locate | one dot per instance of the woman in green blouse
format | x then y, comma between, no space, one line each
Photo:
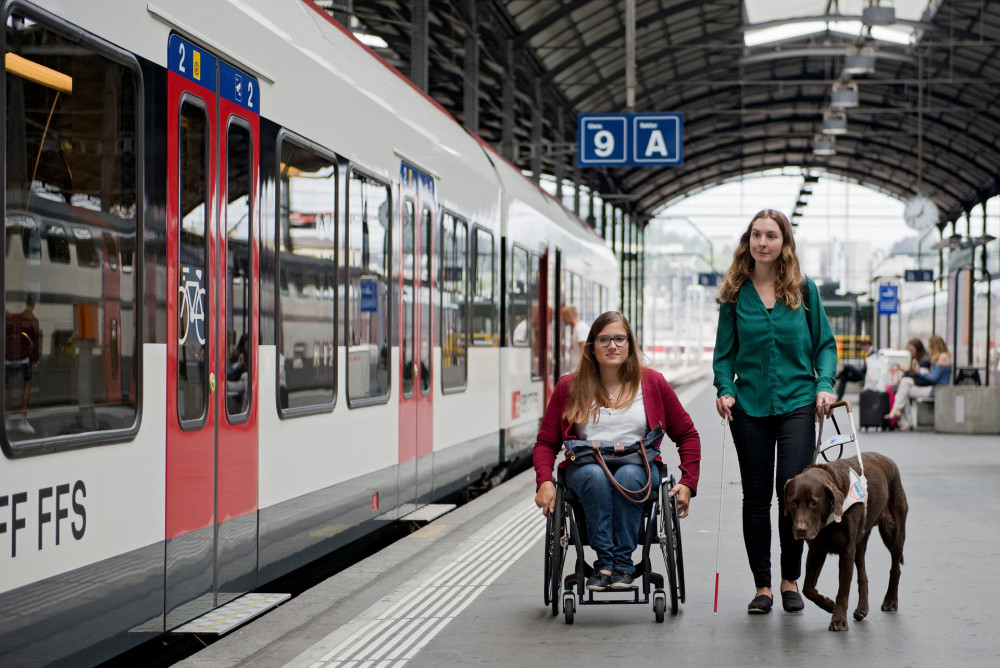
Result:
775,358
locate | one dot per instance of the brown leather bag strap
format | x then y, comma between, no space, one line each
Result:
627,493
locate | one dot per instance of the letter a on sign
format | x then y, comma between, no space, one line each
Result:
656,144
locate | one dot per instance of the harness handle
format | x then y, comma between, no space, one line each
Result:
850,417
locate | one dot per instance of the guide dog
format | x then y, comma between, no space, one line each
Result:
815,499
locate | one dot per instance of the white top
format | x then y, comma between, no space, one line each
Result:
580,332
623,425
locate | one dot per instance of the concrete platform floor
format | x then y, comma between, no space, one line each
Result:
467,589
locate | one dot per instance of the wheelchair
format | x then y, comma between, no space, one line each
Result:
567,525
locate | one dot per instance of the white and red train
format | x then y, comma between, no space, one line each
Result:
261,296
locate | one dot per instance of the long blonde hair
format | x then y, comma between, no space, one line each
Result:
586,394
788,274
938,348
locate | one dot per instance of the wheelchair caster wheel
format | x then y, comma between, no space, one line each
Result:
659,606
569,606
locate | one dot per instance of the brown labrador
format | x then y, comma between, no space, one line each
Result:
815,499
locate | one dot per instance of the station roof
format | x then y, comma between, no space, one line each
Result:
753,79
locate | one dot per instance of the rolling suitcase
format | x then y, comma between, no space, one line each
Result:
874,406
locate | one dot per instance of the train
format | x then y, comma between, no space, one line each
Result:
262,297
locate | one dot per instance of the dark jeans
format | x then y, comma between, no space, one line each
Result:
849,374
756,437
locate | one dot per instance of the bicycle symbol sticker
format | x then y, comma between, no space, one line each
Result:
192,309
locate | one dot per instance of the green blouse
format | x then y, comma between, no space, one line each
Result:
777,366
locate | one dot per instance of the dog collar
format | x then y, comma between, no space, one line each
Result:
857,492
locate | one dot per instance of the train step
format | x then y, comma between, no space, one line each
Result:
428,513
237,612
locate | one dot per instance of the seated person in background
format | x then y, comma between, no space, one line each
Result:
853,374
921,383
919,357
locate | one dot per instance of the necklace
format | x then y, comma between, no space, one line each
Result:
613,397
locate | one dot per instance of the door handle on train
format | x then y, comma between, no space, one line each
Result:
211,383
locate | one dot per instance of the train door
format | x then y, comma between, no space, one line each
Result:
211,463
546,325
417,198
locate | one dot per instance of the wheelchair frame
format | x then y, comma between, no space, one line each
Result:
567,524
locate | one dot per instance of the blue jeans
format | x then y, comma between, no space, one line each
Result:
612,522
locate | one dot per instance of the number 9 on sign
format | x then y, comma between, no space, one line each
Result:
604,143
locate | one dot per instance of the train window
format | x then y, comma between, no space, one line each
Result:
239,207
307,196
483,307
520,299
58,244
425,303
454,302
537,356
368,253
111,248
193,334
87,254
407,301
71,172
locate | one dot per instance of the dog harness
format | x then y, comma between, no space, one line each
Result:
857,492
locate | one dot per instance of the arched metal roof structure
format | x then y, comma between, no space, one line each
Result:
926,117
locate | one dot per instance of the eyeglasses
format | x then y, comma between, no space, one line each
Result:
605,341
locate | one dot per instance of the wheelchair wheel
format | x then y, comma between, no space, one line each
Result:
678,550
556,551
547,578
569,606
659,605
666,536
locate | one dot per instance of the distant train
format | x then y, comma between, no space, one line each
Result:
262,296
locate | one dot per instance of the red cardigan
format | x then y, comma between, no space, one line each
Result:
661,405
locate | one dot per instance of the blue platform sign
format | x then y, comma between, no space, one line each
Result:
919,275
709,279
369,295
612,140
888,299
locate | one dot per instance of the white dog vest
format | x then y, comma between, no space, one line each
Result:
857,492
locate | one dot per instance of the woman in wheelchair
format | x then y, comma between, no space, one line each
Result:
611,397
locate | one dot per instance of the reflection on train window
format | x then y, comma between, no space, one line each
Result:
55,238
239,184
368,255
23,232
483,307
71,178
112,250
454,302
307,198
192,275
521,313
87,254
425,302
407,301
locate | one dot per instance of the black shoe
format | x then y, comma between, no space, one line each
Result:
621,580
598,581
792,602
760,605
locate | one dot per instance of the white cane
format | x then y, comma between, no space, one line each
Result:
718,542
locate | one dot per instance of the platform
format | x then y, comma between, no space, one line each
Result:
467,588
